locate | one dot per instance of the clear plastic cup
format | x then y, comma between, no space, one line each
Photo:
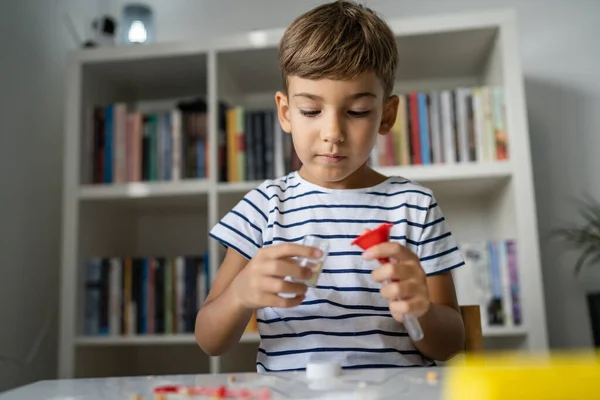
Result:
315,264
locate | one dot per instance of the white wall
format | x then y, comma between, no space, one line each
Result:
561,61
33,49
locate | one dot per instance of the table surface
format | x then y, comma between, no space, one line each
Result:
369,384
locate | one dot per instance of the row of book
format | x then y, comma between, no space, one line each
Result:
122,145
254,147
161,295
490,279
143,296
467,124
125,145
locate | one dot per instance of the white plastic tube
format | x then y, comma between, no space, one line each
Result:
412,325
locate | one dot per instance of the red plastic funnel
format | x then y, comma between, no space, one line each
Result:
375,236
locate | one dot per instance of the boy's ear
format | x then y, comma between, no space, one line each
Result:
390,111
283,111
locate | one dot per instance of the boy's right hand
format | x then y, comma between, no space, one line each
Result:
259,283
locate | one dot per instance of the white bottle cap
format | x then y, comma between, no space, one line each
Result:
322,370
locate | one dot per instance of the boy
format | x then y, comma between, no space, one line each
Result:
338,64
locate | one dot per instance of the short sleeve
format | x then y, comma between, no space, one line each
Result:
241,229
437,249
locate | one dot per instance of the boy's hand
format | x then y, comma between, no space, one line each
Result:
259,283
403,278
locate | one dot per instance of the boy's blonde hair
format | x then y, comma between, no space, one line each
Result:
339,40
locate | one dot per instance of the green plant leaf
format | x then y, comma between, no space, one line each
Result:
579,236
586,236
595,259
590,212
589,256
582,260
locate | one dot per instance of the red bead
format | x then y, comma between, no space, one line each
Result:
264,394
221,391
166,389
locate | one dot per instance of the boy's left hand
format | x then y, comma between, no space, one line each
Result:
403,278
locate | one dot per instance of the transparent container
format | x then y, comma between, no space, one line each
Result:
315,264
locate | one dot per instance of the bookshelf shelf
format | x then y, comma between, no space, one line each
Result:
250,338
504,331
144,190
150,340
463,180
451,172
484,198
468,173
470,179
142,196
135,340
237,187
188,339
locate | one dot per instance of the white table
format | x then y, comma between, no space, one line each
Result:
409,383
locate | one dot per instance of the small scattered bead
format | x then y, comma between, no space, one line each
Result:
431,377
221,392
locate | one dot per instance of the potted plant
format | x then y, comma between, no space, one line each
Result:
585,238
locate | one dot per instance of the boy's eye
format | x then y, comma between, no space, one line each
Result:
314,113
358,114
311,113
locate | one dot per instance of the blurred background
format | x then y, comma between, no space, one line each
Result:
63,217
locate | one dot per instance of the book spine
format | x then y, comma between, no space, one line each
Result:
424,129
448,134
415,139
499,118
435,127
92,296
513,273
241,149
108,144
269,145
461,123
115,296
176,145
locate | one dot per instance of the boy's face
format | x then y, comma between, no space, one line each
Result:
334,125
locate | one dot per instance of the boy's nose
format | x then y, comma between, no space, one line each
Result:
333,132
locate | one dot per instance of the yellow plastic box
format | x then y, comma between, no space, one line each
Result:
519,376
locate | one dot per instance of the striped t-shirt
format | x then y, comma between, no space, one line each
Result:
344,318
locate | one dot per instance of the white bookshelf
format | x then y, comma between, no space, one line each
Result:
492,200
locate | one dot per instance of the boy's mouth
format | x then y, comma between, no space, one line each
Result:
330,158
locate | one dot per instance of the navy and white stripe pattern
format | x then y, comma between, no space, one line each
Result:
344,318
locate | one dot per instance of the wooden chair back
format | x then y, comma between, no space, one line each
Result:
473,335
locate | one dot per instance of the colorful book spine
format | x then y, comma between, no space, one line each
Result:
490,279
144,296
466,125
133,146
423,111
